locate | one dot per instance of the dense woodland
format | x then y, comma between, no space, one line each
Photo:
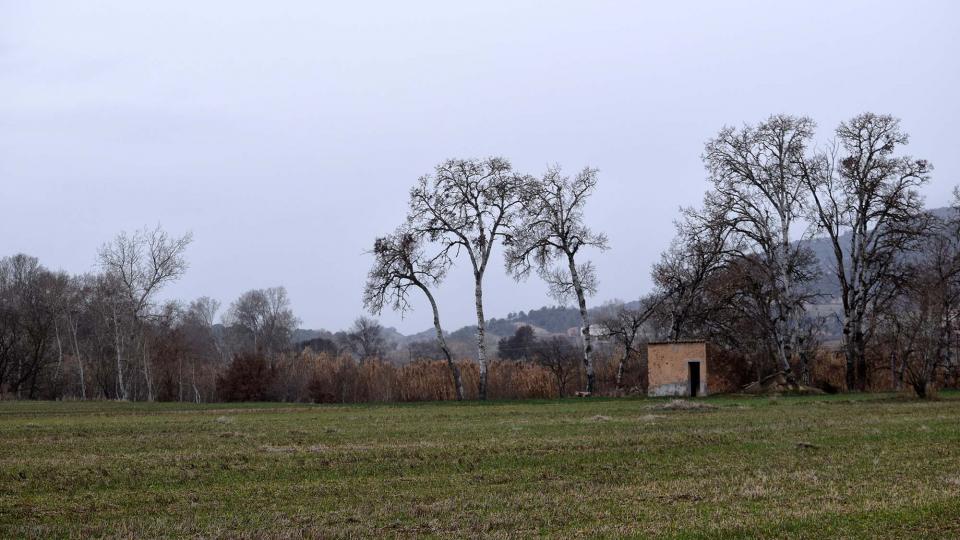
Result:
812,258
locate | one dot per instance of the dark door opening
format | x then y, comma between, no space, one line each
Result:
694,378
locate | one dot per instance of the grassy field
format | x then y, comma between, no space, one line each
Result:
863,466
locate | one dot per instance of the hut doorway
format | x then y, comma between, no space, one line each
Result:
694,378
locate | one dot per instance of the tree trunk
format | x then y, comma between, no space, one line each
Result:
146,368
193,383
854,354
481,336
786,339
56,373
121,388
893,370
585,328
19,377
783,352
454,368
861,360
920,387
76,350
620,367
805,369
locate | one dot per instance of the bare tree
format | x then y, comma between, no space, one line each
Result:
625,326
919,328
759,194
465,206
203,311
862,189
144,262
204,347
366,339
549,237
30,305
11,334
261,320
141,264
711,288
77,306
399,266
684,272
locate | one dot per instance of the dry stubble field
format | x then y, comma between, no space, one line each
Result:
850,466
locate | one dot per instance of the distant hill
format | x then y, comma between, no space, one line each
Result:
827,284
545,321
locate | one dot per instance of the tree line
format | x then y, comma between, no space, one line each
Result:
104,335
738,273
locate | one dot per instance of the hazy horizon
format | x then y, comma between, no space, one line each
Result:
286,138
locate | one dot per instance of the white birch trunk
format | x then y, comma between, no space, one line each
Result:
585,325
481,337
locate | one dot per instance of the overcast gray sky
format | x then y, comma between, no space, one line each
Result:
286,134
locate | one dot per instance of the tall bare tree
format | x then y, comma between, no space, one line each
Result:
400,265
466,205
77,306
141,264
866,201
549,237
759,193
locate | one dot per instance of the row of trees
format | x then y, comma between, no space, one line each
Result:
792,240
106,335
109,318
740,272
464,209
737,274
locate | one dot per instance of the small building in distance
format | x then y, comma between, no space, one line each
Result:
682,368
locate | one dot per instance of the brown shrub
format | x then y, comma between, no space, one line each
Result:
520,380
828,371
248,378
322,378
430,380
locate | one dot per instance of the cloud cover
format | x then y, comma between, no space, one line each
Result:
286,136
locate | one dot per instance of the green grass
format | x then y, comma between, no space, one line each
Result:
879,466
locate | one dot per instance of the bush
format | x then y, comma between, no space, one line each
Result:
248,378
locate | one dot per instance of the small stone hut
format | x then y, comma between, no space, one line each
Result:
682,368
